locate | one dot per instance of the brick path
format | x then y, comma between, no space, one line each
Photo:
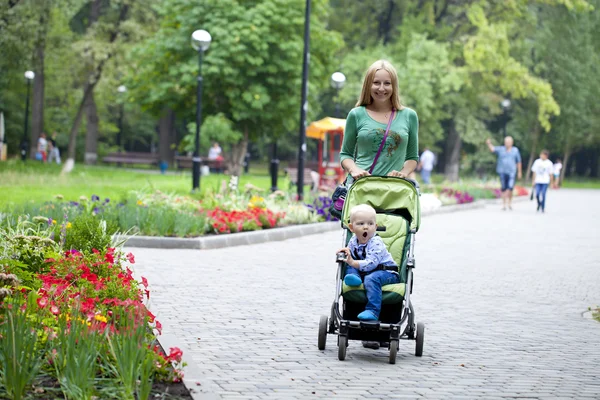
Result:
501,294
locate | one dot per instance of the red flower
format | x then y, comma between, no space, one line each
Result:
175,354
131,258
145,282
152,316
54,309
159,327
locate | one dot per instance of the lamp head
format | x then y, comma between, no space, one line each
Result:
337,80
29,75
201,40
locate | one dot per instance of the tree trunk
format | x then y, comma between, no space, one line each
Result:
88,89
91,136
534,142
166,126
452,153
563,172
238,151
37,104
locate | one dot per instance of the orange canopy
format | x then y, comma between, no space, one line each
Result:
318,129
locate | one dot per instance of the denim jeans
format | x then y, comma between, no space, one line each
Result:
373,283
426,176
540,194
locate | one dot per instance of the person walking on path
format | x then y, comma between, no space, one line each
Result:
426,163
557,167
542,170
508,166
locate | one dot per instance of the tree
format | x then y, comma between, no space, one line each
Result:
252,70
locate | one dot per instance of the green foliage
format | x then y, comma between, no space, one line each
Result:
74,358
88,232
20,353
215,128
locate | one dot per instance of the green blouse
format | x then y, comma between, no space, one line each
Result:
363,136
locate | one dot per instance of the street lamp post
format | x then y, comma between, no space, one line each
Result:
200,42
505,107
29,75
304,103
337,82
121,89
274,166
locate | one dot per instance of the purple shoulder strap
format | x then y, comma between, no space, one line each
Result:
387,130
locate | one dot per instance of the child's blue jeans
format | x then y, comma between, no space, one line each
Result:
540,194
373,283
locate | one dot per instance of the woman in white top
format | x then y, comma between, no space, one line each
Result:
543,171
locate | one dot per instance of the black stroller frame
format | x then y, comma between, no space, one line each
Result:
394,325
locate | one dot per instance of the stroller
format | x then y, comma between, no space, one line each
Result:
396,201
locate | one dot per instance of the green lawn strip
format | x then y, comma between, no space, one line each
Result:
36,183
581,184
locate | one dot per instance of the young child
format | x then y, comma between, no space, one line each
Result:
368,260
542,170
557,167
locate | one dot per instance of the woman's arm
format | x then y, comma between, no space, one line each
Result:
412,148
349,147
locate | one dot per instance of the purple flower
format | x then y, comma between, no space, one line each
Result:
107,200
95,197
74,203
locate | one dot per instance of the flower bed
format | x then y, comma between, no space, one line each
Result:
76,321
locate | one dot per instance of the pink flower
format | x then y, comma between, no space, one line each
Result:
131,258
42,302
145,282
159,327
54,309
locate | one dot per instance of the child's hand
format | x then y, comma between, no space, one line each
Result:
349,260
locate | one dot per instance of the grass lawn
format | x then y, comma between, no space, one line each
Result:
581,184
36,182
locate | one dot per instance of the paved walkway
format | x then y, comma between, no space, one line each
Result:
501,294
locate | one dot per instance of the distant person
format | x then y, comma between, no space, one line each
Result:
543,170
215,152
42,148
508,165
557,167
54,151
426,163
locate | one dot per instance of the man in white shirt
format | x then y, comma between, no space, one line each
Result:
542,176
426,163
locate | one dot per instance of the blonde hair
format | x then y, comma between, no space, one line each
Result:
361,208
365,95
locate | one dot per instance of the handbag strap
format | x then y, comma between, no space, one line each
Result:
387,130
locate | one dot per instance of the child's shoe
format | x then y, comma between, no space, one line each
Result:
367,316
352,280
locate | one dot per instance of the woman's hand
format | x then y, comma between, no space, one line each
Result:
398,174
358,173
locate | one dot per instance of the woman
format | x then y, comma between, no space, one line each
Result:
366,125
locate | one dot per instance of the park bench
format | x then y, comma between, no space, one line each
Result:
132,157
310,177
186,162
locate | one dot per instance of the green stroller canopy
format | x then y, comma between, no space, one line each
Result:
386,194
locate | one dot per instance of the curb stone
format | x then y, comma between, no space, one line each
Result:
196,383
275,234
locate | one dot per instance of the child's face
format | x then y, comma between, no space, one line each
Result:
364,226
543,156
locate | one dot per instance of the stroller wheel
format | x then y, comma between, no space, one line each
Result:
420,339
322,332
342,345
393,351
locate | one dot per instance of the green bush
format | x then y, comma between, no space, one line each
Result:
87,232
